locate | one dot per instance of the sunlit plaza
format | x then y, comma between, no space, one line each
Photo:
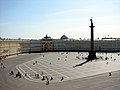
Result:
62,64
66,68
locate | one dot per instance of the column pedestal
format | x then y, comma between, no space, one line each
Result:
92,55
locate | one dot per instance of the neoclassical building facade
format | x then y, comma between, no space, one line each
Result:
47,44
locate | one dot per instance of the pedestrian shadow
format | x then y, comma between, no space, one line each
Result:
81,64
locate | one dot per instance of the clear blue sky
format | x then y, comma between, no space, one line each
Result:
36,18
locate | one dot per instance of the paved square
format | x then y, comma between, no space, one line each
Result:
61,64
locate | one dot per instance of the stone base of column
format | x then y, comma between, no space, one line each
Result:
92,55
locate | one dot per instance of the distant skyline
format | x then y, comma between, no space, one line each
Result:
33,19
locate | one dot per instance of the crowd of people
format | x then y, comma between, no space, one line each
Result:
18,74
1,63
45,78
3,57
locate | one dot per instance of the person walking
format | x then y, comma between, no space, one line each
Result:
11,73
51,78
110,73
25,74
62,78
20,75
47,82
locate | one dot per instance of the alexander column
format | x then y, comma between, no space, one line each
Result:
92,53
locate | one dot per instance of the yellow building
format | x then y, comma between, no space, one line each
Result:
9,47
